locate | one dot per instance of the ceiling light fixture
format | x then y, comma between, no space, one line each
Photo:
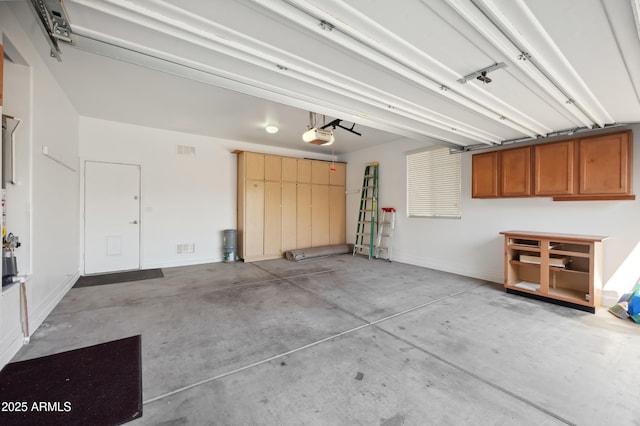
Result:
271,128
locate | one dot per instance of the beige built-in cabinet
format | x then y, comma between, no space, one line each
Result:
589,168
287,203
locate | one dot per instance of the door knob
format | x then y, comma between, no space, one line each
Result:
135,222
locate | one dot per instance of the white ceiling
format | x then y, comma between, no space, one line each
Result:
227,68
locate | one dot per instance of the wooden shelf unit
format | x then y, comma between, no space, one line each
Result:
561,268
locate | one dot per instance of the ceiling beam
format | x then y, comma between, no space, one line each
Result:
198,31
552,75
342,32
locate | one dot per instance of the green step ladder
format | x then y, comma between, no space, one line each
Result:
367,213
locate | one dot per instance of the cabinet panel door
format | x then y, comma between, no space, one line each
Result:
319,215
254,165
289,169
605,164
289,216
484,179
273,168
337,220
304,171
339,175
554,168
1,72
515,168
272,218
320,172
303,218
254,219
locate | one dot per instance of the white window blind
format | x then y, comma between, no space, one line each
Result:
433,183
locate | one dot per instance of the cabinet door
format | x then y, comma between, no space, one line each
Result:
289,216
605,164
484,180
254,219
254,165
515,172
337,225
272,218
320,172
303,218
339,175
273,168
304,171
289,169
554,168
1,72
319,215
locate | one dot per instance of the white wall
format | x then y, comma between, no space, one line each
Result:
472,245
184,199
45,209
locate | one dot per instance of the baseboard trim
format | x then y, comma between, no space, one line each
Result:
41,313
12,345
185,262
453,269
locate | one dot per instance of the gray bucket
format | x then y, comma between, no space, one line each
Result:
229,244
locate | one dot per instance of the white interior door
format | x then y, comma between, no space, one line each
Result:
111,217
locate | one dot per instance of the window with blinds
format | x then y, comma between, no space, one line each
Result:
433,183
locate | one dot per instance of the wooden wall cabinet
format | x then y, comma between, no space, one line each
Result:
273,168
286,203
289,169
253,166
303,218
605,164
289,216
515,172
320,215
560,268
504,173
304,171
554,165
590,168
1,74
485,179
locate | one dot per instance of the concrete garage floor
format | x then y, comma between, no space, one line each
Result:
348,341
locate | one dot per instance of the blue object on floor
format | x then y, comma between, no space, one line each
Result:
634,304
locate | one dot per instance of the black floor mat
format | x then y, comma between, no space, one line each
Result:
96,385
118,277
